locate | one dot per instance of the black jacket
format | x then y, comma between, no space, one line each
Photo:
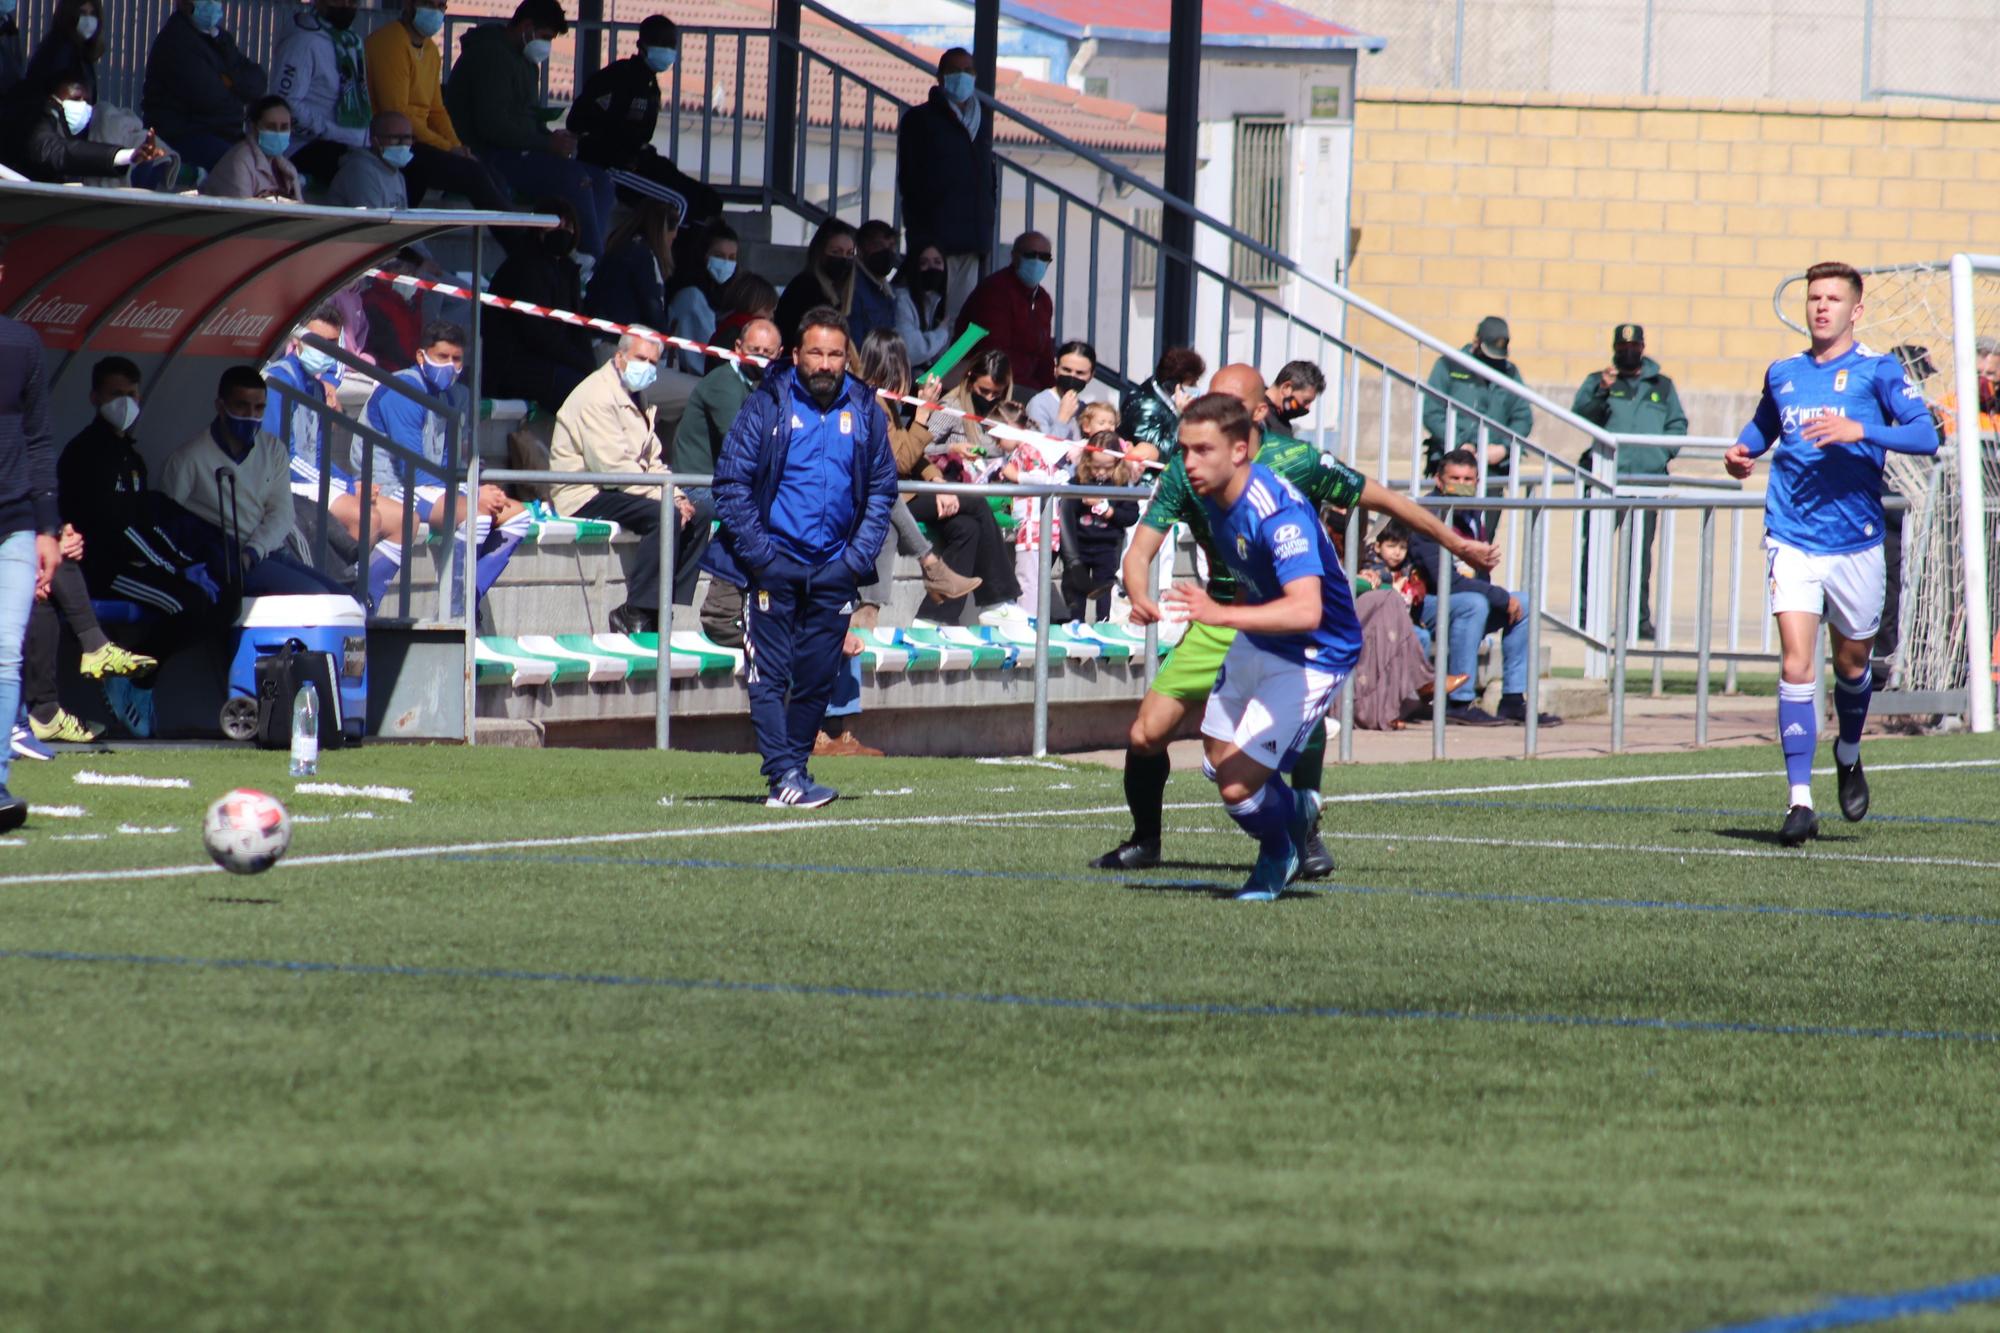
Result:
1425,554
539,355
614,119
948,184
51,153
27,454
196,84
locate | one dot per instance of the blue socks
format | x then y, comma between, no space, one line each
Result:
1267,817
1798,732
1850,706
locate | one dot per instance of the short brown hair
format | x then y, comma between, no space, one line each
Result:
1224,411
1177,365
1833,268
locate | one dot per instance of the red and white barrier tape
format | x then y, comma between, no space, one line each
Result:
1048,446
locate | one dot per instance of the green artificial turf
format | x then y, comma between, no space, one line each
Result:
907,1063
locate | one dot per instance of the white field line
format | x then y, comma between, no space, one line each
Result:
87,778
59,812
141,831
1773,773
341,789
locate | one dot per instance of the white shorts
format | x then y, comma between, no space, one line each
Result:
1846,589
1268,705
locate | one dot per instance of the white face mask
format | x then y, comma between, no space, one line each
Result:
120,412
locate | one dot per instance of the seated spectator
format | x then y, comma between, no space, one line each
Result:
920,308
874,300
884,365
827,279
501,522
1017,314
494,95
1093,531
254,511
1451,383
629,286
697,293
403,65
1054,410
320,71
1293,393
1151,421
616,114
371,176
1020,462
606,426
66,602
540,359
744,297
711,411
56,147
967,534
958,441
73,43
1478,607
394,314
1094,419
199,87
257,168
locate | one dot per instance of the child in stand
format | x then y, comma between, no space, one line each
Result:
1024,464
1387,564
1092,420
1095,529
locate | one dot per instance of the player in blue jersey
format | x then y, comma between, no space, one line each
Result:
1828,418
1297,635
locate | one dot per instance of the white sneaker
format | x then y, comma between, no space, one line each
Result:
1004,613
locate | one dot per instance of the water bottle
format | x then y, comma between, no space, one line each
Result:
305,732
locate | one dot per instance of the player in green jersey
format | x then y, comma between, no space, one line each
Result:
1184,682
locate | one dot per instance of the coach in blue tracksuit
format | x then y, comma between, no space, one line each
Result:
803,488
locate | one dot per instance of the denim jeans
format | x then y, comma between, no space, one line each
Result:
1470,616
17,599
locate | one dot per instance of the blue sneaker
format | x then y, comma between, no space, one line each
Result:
131,704
1269,877
800,792
25,746
1305,822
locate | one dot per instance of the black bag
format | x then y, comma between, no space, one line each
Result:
279,676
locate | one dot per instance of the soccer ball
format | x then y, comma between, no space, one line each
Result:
246,831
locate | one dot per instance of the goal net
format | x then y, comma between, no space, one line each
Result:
1907,314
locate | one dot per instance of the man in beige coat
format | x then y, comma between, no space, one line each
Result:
606,425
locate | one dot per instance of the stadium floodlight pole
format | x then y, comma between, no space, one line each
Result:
1043,509
1971,497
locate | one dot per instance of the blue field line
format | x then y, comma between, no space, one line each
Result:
1855,1311
1160,1008
1325,887
1584,808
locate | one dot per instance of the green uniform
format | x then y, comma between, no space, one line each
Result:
1190,672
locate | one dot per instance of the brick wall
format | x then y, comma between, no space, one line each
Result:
1570,214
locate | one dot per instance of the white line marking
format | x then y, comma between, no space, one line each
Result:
77,837
328,819
341,789
1771,773
898,791
1024,763
87,778
140,831
59,812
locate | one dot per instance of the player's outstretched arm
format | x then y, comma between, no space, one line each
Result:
1296,610
1755,438
1480,555
1137,572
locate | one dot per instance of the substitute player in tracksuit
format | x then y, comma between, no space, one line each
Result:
803,487
1828,419
1188,675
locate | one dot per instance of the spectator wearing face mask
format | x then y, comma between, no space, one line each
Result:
319,70
967,535
543,359
743,298
1631,397
946,177
616,114
372,176
1054,410
1293,393
72,44
606,426
199,85
827,279
921,320
493,97
874,300
257,168
57,147
697,294
1151,419
1451,383
403,65
630,285
711,410
1018,315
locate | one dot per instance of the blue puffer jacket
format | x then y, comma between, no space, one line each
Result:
752,459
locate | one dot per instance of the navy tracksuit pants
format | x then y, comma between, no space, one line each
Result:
794,633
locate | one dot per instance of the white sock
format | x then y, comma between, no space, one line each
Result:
1846,753
1802,794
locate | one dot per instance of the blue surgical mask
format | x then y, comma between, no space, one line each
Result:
207,15
1032,271
318,364
722,270
274,142
427,22
958,87
76,115
86,26
660,59
639,375
398,155
243,429
537,51
436,378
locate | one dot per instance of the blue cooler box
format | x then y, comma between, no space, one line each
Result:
325,623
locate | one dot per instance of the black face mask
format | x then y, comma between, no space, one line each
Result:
1628,362
1071,384
1290,412
982,405
837,271
824,387
927,280
559,242
879,262
340,20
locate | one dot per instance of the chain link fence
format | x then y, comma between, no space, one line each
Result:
1803,50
